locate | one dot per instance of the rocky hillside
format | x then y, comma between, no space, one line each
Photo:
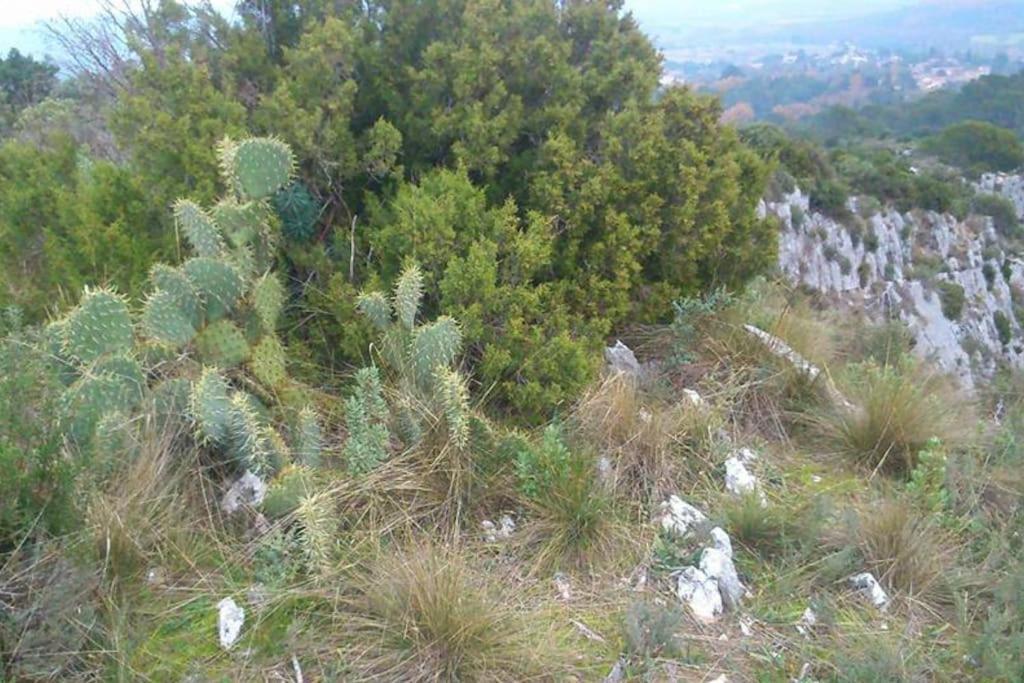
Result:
957,284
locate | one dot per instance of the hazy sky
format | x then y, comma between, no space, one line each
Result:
18,16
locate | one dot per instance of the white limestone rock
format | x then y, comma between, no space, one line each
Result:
700,593
248,491
679,517
230,618
719,566
695,399
721,541
740,482
868,586
621,359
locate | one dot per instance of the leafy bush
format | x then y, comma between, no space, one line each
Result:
1001,210
1003,328
951,295
977,147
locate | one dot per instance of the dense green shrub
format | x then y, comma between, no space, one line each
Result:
951,295
36,483
66,221
977,147
1002,212
579,204
1003,328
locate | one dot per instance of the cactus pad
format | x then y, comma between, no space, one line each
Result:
113,385
218,283
164,320
239,222
267,362
408,293
210,406
247,442
434,346
376,308
222,344
268,300
199,229
308,438
256,167
100,324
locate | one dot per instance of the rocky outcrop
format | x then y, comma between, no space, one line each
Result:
1009,186
953,282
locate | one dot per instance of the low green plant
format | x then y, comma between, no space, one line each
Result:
927,484
1003,328
366,421
650,631
897,409
951,296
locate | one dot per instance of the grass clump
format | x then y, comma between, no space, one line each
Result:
424,614
896,411
574,522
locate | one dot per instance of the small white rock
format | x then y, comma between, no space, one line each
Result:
700,592
807,622
248,491
563,586
230,618
721,679
695,399
740,482
679,517
869,587
721,541
621,359
507,526
718,566
745,455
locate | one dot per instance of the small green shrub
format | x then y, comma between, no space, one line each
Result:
898,409
951,296
650,631
1001,210
1003,329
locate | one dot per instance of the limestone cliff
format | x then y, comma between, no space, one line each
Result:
955,283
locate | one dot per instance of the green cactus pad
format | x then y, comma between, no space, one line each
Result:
164,320
267,362
308,438
286,491
180,288
100,324
268,300
247,443
240,222
376,308
218,283
113,385
199,229
408,293
278,455
210,406
221,344
257,167
434,346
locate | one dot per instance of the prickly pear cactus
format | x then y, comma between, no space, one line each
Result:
205,333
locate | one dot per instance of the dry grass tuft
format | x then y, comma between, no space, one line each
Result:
908,552
897,410
424,614
647,443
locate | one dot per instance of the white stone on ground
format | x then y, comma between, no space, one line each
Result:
247,491
679,517
230,618
720,540
740,482
620,358
869,587
700,592
717,565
